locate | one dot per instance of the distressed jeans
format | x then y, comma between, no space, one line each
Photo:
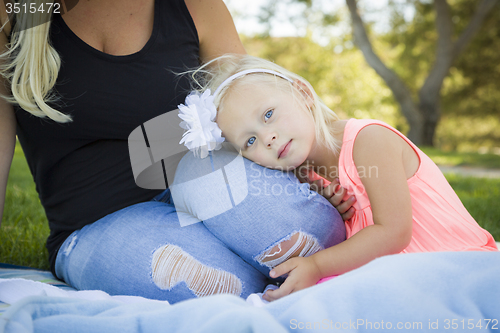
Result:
220,227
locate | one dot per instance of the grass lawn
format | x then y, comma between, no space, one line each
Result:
24,228
489,161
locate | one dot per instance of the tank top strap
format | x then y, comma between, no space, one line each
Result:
347,168
354,126
175,19
348,172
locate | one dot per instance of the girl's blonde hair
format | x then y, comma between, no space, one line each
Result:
30,64
212,74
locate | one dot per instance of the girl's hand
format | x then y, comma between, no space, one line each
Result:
333,191
302,273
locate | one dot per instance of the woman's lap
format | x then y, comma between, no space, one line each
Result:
125,253
143,249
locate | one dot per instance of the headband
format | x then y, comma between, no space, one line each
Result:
249,71
154,147
199,113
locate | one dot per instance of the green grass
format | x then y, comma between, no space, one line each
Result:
24,228
490,161
481,197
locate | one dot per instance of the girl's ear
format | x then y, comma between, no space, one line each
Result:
305,91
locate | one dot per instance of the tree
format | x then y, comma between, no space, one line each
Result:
343,80
416,77
422,115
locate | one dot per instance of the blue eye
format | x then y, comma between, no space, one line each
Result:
250,141
268,114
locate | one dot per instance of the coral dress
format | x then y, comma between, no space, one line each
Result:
440,220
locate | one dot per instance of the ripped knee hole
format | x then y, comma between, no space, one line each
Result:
171,266
300,244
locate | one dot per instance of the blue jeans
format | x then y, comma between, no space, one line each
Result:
252,221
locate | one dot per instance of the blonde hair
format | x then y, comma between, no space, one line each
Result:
212,74
31,65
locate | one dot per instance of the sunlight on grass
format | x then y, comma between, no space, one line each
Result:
440,157
24,228
481,197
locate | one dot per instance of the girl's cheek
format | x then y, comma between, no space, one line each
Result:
256,157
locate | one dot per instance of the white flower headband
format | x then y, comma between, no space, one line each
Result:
199,113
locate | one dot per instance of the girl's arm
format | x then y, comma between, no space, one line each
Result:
380,149
216,30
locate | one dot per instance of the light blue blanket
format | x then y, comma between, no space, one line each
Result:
448,291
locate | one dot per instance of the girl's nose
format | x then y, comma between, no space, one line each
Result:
271,137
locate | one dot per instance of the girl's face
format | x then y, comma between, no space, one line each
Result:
270,127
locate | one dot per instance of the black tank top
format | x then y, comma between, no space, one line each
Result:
82,169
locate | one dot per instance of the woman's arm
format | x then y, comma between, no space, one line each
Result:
216,30
7,134
381,150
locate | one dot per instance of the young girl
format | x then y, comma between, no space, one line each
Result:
403,202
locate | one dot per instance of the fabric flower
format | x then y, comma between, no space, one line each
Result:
198,115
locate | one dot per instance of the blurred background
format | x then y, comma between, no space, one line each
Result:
437,76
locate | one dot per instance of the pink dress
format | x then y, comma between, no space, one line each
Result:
440,220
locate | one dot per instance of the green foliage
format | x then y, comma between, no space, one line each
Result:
469,133
470,94
473,85
409,47
343,80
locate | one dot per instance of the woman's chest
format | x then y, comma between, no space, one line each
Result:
115,27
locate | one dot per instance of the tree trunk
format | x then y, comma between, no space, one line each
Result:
446,53
401,92
430,122
423,119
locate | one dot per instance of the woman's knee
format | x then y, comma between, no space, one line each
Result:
171,265
264,215
156,258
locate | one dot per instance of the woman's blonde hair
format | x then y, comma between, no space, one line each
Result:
212,74
31,65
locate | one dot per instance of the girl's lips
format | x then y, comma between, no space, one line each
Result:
284,149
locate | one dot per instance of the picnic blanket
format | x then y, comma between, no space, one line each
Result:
444,291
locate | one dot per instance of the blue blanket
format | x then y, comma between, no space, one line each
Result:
447,291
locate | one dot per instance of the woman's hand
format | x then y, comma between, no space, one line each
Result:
302,273
333,191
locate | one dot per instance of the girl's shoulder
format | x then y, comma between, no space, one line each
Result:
376,138
367,129
379,143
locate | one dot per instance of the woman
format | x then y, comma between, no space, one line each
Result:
80,84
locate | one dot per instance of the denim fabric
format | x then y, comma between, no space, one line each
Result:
115,253
265,206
